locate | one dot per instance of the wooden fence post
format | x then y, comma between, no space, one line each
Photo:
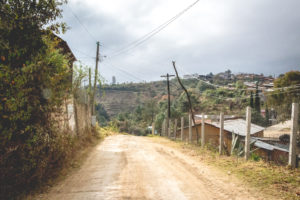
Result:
153,128
182,127
202,132
221,137
169,128
163,128
166,127
190,128
248,131
293,136
175,129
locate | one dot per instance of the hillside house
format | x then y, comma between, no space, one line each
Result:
270,150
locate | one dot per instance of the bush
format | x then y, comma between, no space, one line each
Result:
255,157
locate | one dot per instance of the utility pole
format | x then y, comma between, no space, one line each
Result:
95,80
169,101
189,99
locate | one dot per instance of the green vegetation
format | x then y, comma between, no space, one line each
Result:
206,98
281,99
35,81
143,103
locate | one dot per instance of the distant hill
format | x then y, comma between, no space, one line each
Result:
127,96
124,97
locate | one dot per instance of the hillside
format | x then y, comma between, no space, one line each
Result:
125,97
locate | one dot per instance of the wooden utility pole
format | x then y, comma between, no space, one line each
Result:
175,129
95,80
169,101
221,133
182,127
202,131
248,130
190,128
90,80
189,99
293,136
90,91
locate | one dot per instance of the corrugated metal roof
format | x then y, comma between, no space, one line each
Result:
238,126
263,145
270,147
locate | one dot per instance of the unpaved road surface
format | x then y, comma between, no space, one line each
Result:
129,167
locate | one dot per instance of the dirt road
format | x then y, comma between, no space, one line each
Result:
129,167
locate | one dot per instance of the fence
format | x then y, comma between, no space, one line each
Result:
244,143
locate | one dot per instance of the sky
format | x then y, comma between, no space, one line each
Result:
250,36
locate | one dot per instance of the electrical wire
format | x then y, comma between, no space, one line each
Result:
124,72
77,18
152,33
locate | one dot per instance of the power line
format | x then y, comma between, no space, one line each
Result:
125,72
77,18
85,54
152,33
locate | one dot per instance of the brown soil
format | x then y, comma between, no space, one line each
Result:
129,167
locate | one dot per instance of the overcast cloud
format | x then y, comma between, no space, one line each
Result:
260,36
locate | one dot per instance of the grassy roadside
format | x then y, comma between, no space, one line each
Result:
80,152
266,178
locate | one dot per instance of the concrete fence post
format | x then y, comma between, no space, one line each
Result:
190,128
293,136
202,131
248,131
182,127
175,129
221,137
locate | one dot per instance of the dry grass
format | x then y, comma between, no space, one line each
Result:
266,178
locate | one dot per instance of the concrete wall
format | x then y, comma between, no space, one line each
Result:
84,118
67,119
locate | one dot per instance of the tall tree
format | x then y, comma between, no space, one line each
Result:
34,80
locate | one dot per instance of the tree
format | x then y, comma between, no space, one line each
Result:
23,26
239,85
286,92
150,109
183,103
34,81
202,86
101,115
